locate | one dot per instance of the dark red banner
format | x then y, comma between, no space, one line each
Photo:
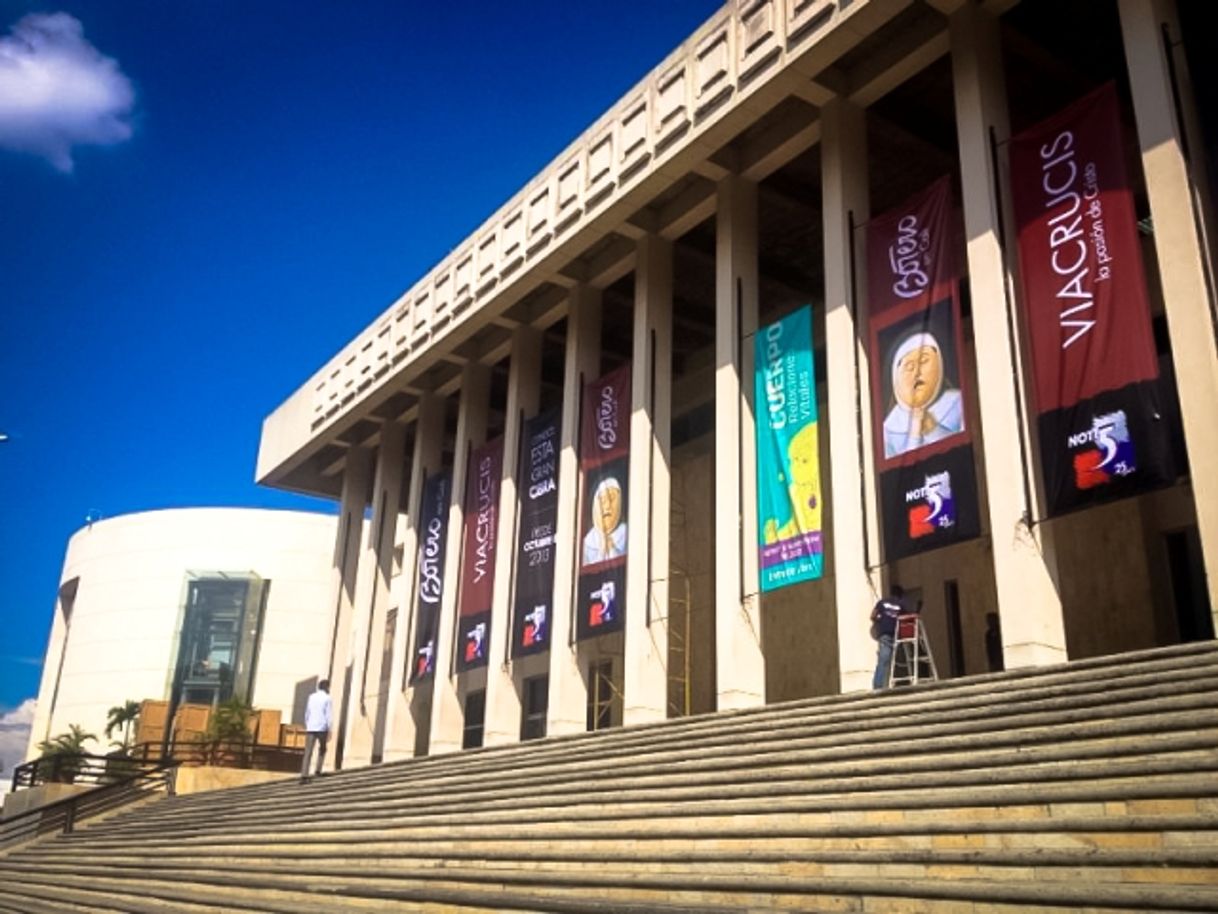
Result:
910,264
478,565
923,443
1084,289
604,462
1094,367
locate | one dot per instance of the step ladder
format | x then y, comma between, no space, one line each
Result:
912,662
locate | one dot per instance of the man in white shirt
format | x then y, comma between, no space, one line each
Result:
318,712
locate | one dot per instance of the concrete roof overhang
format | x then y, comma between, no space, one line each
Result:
756,126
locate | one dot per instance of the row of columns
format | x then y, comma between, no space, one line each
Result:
380,722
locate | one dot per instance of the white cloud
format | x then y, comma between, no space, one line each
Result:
58,91
15,736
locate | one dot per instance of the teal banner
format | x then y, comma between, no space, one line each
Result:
788,454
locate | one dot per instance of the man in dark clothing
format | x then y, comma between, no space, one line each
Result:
993,643
883,629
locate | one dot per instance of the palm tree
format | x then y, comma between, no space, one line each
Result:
70,743
122,716
64,752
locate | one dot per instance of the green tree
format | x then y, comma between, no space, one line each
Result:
122,717
228,730
62,756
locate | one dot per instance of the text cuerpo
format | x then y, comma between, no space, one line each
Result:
775,393
782,406
1069,252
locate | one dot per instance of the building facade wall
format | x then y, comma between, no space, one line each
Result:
129,578
789,127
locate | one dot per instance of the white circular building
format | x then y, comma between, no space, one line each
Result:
187,604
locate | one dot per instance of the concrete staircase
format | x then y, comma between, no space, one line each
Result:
1089,787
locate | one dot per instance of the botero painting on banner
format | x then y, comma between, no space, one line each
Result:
788,459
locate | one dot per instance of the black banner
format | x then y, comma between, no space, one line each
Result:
1088,451
433,523
930,503
532,607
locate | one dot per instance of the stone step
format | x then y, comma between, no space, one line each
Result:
1097,679
97,894
1087,787
1169,729
1173,834
863,712
1164,837
350,890
1172,728
41,899
1179,865
1019,829
1186,713
1173,817
1035,820
1184,774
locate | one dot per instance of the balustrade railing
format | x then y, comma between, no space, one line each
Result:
113,781
110,789
79,768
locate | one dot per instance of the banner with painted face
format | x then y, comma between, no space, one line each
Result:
429,585
788,455
924,451
604,466
478,554
1102,427
533,605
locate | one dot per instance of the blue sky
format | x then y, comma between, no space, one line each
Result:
254,183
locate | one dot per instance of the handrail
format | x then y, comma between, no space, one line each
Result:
79,768
83,768
257,756
61,816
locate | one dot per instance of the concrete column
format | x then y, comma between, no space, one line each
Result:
1190,312
387,500
1024,564
373,597
425,461
447,715
851,464
523,395
740,666
354,500
646,656
568,684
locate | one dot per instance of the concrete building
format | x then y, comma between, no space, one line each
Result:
737,182
187,604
